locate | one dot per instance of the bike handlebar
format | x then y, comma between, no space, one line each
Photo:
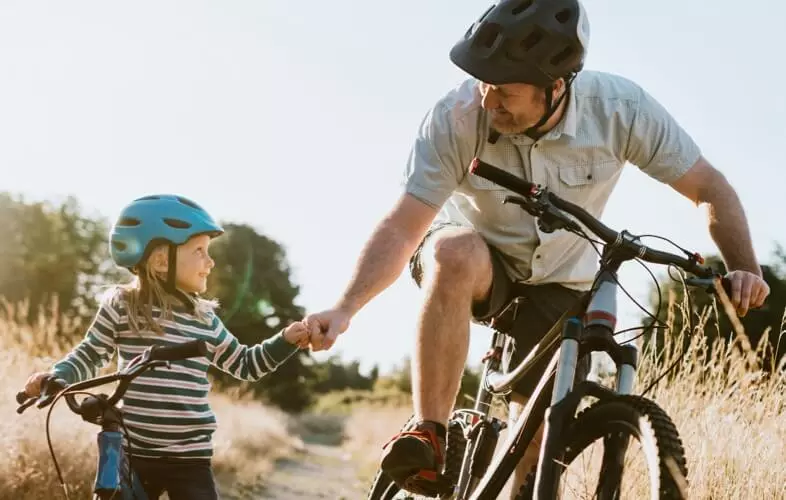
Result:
153,357
540,202
190,349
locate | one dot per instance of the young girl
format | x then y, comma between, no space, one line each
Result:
163,240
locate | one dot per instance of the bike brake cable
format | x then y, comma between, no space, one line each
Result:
49,436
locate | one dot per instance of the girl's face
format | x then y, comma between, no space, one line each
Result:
194,264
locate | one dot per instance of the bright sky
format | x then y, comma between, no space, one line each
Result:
297,118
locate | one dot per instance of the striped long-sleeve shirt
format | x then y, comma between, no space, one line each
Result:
166,410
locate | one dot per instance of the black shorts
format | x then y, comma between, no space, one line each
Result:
541,307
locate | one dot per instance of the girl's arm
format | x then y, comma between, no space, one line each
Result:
94,351
248,362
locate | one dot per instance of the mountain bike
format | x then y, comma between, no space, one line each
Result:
115,478
617,419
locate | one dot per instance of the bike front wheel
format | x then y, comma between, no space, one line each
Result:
622,448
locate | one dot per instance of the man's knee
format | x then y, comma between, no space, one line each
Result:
459,254
456,248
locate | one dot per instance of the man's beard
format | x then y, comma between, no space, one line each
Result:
506,123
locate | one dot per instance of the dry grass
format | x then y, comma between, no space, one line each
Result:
249,439
731,416
368,429
730,413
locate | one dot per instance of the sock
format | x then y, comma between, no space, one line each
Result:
439,429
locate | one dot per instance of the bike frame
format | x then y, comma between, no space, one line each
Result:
577,334
584,329
114,469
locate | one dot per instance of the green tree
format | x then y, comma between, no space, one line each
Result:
400,378
52,253
767,320
251,280
335,375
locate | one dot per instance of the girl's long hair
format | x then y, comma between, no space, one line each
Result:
147,291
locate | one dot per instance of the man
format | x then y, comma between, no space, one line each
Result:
530,109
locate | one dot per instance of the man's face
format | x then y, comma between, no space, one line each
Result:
514,107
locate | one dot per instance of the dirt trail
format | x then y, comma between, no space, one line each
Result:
319,470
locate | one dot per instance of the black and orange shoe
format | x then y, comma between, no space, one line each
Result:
414,459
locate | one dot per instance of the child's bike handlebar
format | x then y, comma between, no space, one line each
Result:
153,357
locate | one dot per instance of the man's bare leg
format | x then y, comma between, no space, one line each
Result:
530,458
457,271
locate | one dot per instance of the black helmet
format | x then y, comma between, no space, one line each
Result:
525,41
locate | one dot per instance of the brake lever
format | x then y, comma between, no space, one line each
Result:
709,284
550,219
528,205
553,219
50,388
25,405
706,284
141,359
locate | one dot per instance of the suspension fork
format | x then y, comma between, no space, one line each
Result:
600,313
601,319
594,332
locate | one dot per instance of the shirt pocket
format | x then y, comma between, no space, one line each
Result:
578,181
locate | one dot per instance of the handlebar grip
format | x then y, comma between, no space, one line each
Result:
190,349
501,177
21,397
50,387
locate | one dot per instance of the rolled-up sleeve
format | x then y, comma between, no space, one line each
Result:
657,144
434,168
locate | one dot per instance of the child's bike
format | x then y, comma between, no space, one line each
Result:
115,477
618,420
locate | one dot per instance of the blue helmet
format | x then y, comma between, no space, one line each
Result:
157,218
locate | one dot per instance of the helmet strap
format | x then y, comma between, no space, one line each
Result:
171,279
171,273
551,107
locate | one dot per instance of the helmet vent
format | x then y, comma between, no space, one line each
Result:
521,7
119,245
150,197
531,40
563,16
128,222
176,223
561,56
488,34
186,201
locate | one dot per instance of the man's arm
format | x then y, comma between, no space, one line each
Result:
703,184
387,252
433,172
381,261
665,151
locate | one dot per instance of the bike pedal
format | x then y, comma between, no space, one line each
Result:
429,483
